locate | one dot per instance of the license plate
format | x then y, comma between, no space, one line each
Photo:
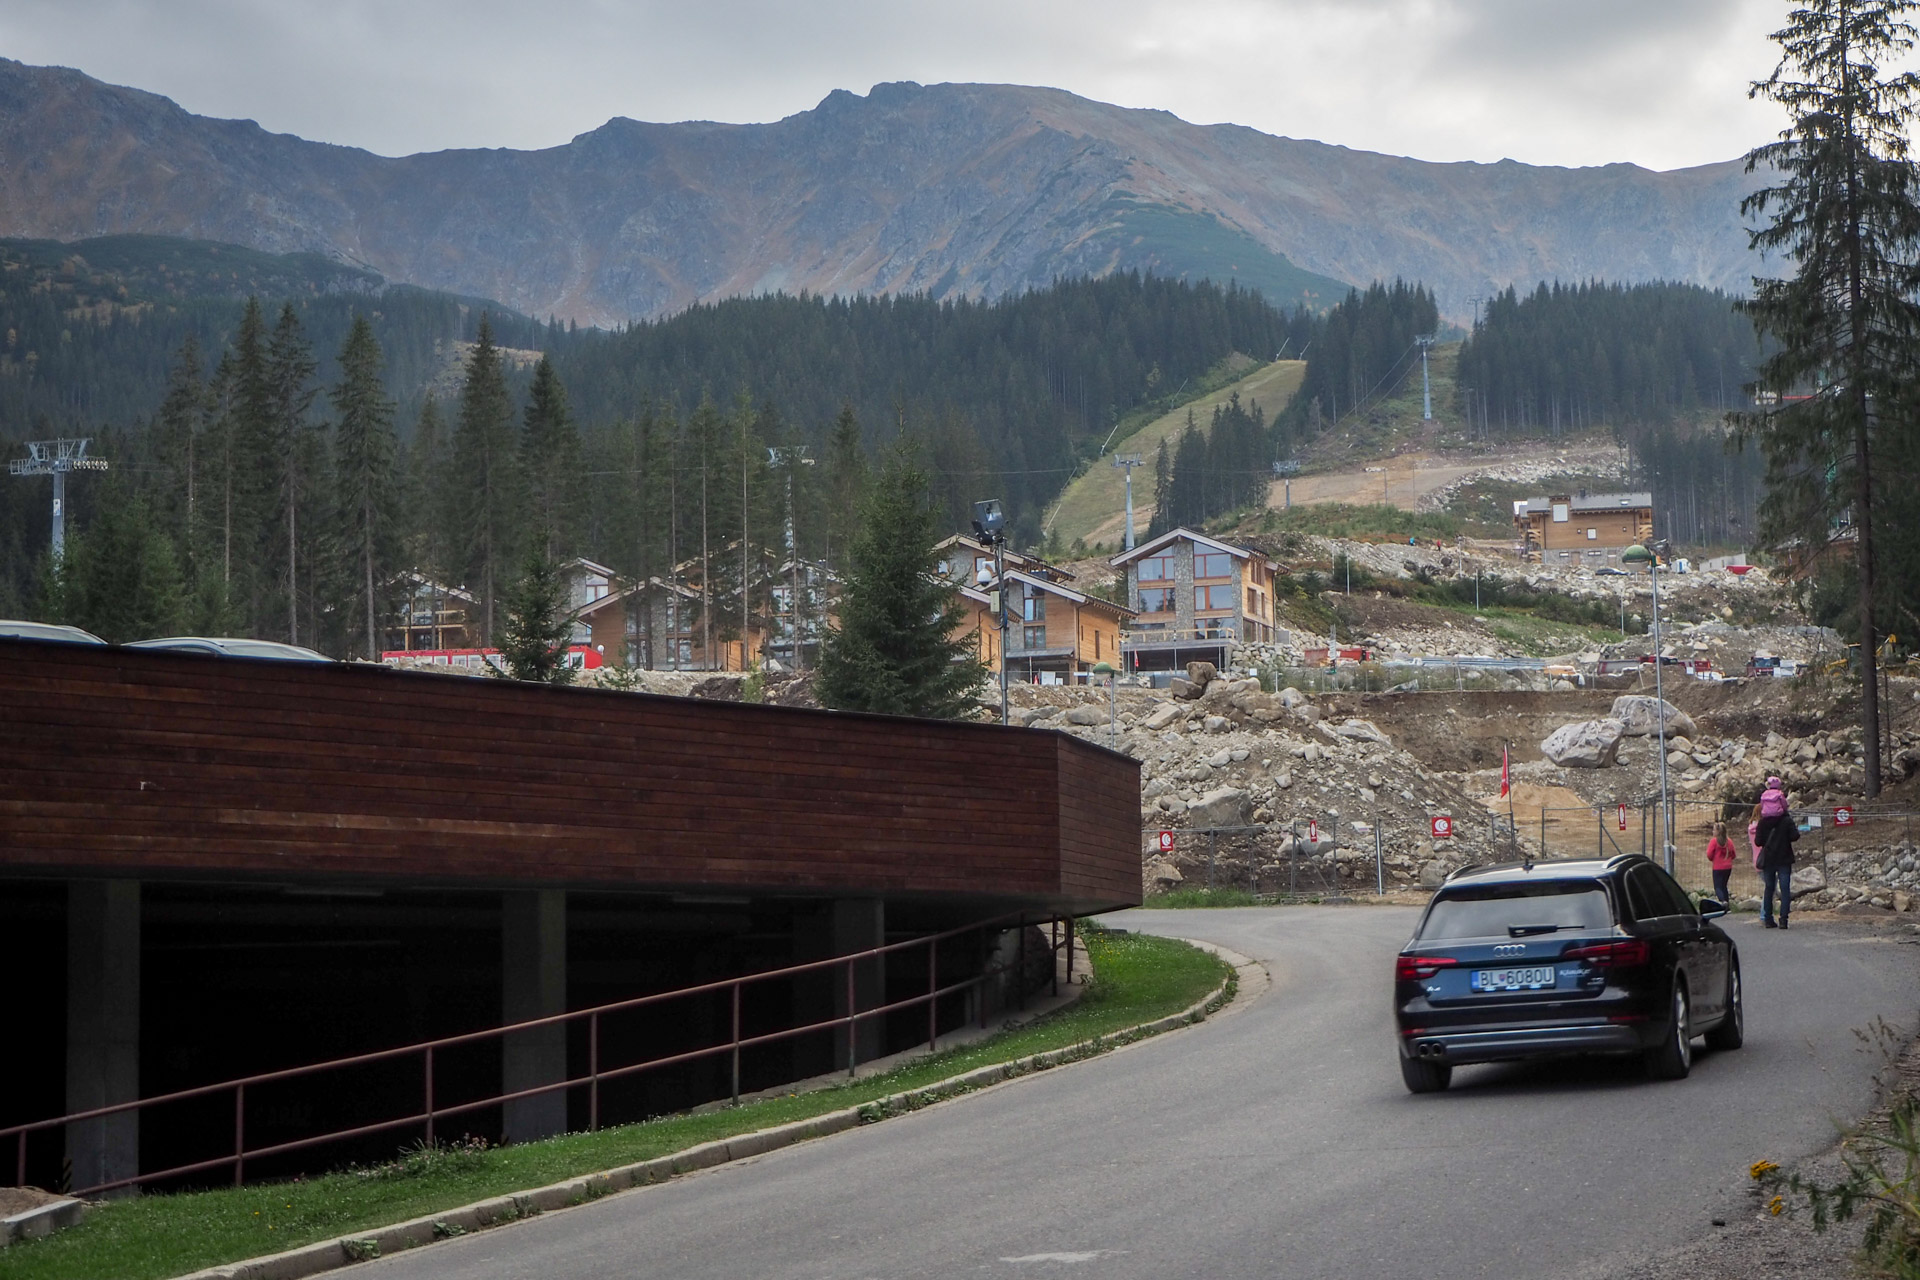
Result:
1531,979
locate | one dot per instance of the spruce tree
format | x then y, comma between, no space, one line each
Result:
895,649
365,448
846,483
486,480
120,577
534,641
1843,206
549,458
290,368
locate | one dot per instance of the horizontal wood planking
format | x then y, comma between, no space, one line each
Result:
113,760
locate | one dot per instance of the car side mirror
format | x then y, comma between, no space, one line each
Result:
1712,910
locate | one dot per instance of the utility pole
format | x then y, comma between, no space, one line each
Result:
1127,462
990,527
1426,342
55,458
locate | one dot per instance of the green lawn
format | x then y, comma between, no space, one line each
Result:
1137,979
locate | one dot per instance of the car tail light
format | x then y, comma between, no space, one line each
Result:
1629,954
1419,968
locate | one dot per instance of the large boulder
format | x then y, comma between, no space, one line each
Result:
1225,807
1641,715
1363,731
1809,878
1087,715
1201,673
1160,874
1590,744
1291,697
1185,689
1162,716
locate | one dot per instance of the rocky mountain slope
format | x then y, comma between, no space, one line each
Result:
975,189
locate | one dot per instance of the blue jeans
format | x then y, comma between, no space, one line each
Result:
1772,877
1722,878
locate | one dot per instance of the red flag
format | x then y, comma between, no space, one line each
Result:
1505,785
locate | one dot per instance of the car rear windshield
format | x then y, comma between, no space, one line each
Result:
1503,910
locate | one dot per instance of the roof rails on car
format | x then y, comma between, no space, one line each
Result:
1460,871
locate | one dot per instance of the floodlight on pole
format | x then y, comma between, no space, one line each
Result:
990,526
1637,554
1127,462
56,458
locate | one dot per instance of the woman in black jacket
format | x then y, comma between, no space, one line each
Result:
1775,836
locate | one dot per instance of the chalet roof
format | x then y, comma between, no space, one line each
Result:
1585,502
1077,597
1154,544
1013,557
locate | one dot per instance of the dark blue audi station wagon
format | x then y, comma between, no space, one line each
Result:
1543,959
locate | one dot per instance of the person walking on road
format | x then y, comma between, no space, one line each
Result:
1776,835
1720,858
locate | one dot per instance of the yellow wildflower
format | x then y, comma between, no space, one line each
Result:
1761,1168
1775,1205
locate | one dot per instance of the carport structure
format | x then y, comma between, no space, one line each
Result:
215,867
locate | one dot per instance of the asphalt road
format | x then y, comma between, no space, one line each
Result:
1275,1141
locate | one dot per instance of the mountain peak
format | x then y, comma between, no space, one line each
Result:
969,188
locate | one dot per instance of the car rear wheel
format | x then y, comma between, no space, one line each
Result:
1672,1058
1423,1076
1732,1031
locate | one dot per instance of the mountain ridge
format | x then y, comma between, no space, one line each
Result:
971,189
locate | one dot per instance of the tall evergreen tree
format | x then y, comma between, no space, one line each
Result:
365,449
895,649
120,577
290,369
846,482
485,477
549,459
1843,207
177,430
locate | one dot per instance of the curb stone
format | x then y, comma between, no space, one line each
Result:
31,1224
364,1246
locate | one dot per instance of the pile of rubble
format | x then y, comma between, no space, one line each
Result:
1221,755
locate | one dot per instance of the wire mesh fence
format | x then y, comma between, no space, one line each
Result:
1317,858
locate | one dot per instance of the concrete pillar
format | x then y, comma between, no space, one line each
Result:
533,969
103,1027
859,924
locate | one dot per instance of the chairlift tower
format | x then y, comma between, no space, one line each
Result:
1426,341
1127,462
56,458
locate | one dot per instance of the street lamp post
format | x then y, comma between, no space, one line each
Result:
990,526
1637,554
1106,669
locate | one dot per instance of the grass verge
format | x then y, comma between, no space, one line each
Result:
1203,898
1136,979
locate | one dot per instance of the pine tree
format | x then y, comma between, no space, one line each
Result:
895,649
549,458
120,577
535,639
365,468
485,479
846,482
1844,208
177,430
290,368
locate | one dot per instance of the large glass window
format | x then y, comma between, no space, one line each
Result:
1212,564
1035,608
1156,569
1156,599
1033,637
1214,597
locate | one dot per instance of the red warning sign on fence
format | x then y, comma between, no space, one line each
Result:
1623,817
1442,827
1843,817
1313,831
1166,842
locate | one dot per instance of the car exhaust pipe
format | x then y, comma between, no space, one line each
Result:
1430,1049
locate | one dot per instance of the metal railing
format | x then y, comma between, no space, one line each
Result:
1062,937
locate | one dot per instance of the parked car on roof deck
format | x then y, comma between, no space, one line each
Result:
59,633
232,647
1543,959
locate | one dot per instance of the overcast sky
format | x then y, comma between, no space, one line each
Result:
1660,83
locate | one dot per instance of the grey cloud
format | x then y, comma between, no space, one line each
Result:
1660,82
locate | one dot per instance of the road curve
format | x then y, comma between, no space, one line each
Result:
1276,1141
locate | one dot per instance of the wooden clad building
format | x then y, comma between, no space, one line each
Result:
248,864
1569,529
